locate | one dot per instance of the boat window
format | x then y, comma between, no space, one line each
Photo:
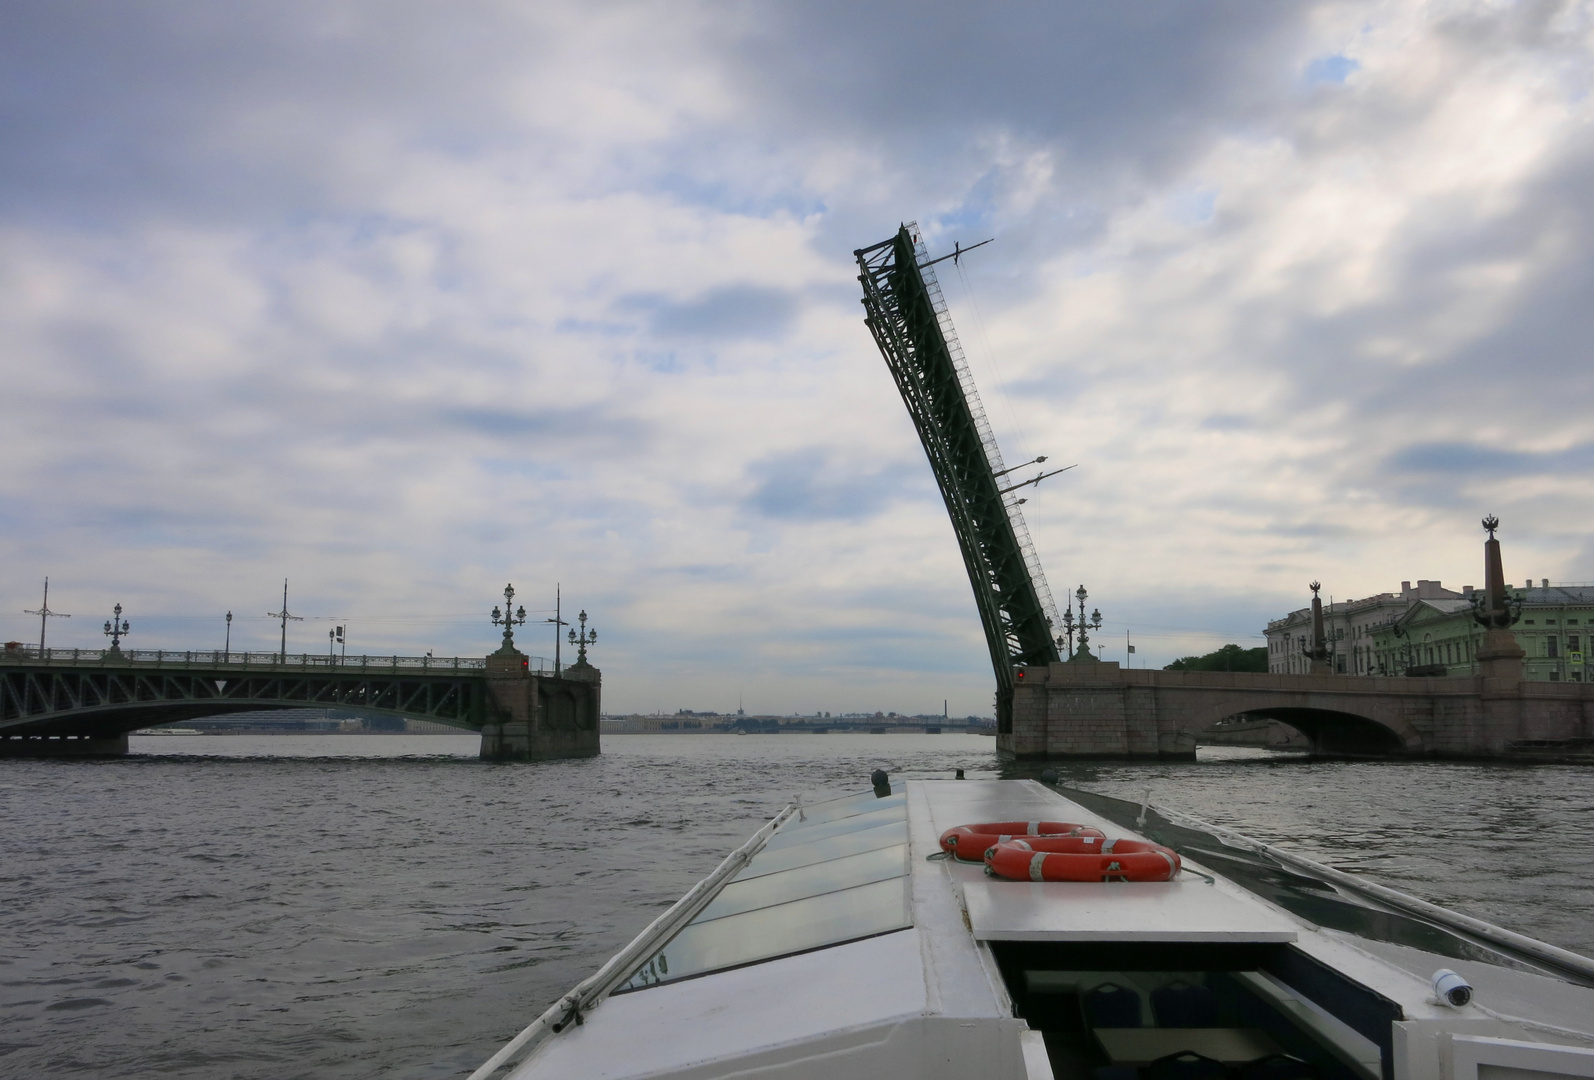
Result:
836,874
830,847
766,933
821,830
847,806
1126,1005
829,876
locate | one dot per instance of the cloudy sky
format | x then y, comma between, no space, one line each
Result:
405,301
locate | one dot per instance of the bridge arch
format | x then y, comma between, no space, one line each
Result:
1338,727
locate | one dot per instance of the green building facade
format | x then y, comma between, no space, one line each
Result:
1440,637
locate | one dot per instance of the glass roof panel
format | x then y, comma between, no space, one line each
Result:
829,876
818,831
846,806
830,847
781,930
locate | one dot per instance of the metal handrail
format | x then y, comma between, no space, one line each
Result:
254,661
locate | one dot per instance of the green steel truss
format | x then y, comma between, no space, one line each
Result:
99,701
909,320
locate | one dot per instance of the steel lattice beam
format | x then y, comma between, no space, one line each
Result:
45,698
912,330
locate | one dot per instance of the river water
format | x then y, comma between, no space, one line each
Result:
387,906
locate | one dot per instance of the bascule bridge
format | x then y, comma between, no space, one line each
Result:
1051,706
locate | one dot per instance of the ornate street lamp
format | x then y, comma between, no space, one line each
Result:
1082,624
508,620
227,648
115,628
587,638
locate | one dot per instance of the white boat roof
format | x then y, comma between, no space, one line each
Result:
1188,908
907,984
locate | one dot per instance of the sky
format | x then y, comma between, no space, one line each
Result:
405,301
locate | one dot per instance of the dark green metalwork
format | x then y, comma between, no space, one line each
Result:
908,318
109,700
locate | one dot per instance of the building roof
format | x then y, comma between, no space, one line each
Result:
1555,595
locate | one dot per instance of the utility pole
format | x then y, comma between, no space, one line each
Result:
284,616
45,615
558,623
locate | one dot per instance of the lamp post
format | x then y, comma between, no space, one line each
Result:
587,638
1084,625
508,619
227,648
115,628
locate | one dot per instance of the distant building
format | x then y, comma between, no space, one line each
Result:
1349,627
1429,630
1441,638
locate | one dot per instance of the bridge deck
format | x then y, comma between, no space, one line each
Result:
1099,709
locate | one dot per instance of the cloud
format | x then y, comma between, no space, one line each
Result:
403,304
804,485
1471,459
1330,69
729,312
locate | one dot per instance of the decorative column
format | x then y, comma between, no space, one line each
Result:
1499,656
1317,651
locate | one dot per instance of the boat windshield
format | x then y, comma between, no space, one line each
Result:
836,873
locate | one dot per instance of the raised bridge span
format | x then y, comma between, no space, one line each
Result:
1049,704
81,702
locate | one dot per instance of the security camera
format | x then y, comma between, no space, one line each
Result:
1451,989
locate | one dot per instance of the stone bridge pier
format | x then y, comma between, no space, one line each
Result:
540,716
1085,708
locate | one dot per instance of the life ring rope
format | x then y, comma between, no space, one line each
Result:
1059,851
1039,859
969,843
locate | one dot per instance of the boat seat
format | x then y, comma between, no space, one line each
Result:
1184,1005
1112,1006
1186,1065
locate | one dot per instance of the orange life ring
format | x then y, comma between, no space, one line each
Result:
1056,859
969,843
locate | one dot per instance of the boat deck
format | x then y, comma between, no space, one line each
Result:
847,947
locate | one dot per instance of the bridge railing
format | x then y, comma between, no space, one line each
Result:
252,661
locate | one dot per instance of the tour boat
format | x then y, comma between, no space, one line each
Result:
842,942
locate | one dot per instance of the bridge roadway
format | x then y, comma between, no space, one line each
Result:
1084,708
75,703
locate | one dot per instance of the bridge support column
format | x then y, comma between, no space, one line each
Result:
1087,708
63,746
540,717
